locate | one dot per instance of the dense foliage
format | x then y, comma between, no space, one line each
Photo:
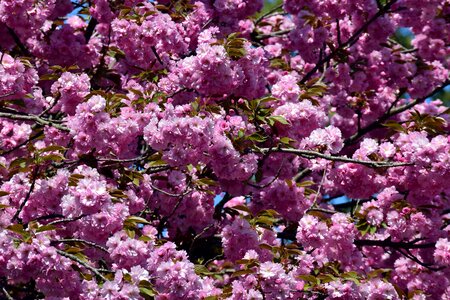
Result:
206,150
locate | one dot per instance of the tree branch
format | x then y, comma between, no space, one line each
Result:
271,11
80,241
388,243
187,191
27,196
90,29
18,42
352,40
67,220
34,118
84,264
313,154
272,34
392,112
37,135
7,295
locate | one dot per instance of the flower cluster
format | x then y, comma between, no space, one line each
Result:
224,149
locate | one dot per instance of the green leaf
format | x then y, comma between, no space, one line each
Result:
280,119
265,220
309,278
206,182
18,228
286,140
3,206
73,250
3,193
235,46
394,126
19,163
49,77
147,293
145,238
53,157
242,208
136,220
257,137
305,183
52,148
47,227
325,278
201,270
130,232
117,194
241,272
266,246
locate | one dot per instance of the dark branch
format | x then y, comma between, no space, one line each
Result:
313,154
80,241
18,42
90,29
84,264
392,112
352,40
397,245
34,118
27,197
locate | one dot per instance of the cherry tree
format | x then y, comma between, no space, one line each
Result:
182,149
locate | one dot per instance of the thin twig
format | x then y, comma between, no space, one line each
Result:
27,196
18,42
157,55
84,264
187,191
67,220
46,217
271,11
271,181
199,235
323,210
81,241
8,296
50,107
272,34
7,94
409,255
40,133
338,29
302,174
320,186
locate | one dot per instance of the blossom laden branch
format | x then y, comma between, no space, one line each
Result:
313,154
389,243
27,196
83,263
34,118
187,191
352,40
80,241
392,112
66,220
